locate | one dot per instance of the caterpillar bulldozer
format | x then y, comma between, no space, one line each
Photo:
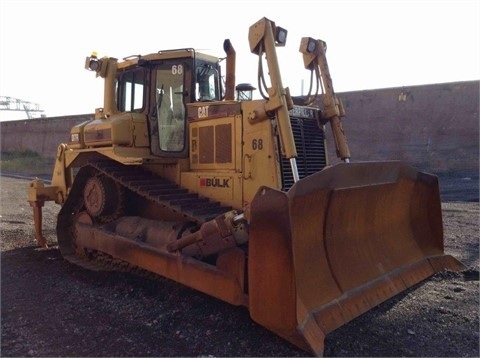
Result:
183,174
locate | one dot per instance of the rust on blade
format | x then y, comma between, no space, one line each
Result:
340,242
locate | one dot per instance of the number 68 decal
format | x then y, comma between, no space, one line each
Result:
177,69
257,144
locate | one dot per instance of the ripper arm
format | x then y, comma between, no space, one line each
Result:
38,193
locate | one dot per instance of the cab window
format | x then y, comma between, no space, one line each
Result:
130,91
207,82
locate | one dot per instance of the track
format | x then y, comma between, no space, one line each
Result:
143,183
161,191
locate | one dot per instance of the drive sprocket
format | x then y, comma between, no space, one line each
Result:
103,198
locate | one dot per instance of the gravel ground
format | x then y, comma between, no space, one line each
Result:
50,307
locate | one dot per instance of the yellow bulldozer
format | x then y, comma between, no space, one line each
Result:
184,174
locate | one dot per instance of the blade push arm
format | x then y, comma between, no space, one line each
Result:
314,58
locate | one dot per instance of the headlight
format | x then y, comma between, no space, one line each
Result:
280,36
92,63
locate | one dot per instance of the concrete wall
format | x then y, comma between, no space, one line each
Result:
42,135
433,127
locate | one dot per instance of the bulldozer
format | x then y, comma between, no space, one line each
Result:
184,174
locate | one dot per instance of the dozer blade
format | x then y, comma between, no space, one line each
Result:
340,242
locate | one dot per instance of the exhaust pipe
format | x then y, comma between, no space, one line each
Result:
230,77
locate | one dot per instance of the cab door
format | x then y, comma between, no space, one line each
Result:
167,117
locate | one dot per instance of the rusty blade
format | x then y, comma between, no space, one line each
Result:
350,237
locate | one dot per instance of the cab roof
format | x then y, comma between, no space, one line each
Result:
166,55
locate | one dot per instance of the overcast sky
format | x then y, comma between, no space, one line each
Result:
371,44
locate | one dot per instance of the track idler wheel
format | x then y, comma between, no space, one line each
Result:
103,197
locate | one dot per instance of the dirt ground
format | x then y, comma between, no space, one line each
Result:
50,307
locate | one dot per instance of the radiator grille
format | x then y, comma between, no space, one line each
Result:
310,144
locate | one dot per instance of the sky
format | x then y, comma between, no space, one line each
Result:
371,44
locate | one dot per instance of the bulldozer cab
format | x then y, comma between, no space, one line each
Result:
161,88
